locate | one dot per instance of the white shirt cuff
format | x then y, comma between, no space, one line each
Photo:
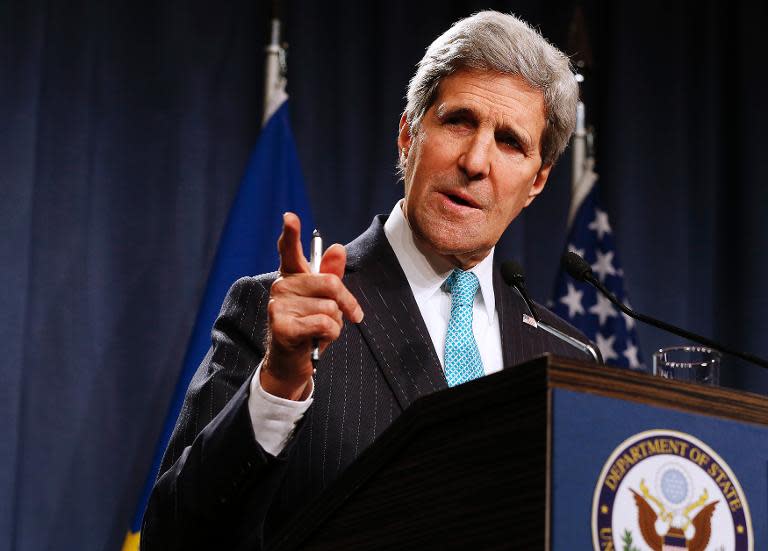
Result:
274,418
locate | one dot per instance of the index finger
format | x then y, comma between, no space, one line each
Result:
289,248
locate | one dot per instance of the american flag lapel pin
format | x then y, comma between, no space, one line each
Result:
529,320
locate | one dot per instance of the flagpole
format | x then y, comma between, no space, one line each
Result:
274,70
578,154
582,176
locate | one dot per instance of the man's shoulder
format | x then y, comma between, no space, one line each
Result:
262,280
247,289
367,243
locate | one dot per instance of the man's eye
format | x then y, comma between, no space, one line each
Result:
509,141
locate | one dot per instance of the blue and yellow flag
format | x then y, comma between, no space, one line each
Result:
272,184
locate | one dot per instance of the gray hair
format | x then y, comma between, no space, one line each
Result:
490,40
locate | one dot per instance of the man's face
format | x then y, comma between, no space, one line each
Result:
473,164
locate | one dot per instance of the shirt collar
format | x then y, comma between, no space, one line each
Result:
427,273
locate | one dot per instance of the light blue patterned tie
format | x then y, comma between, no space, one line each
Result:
462,358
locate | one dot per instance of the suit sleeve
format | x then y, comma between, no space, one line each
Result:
216,483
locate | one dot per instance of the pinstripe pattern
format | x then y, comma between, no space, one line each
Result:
364,381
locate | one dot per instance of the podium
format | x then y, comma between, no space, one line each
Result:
555,454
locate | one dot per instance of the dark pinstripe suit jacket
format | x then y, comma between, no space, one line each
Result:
218,488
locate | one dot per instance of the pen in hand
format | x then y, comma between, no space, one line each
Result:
315,255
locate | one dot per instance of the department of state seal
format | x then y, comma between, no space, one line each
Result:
664,490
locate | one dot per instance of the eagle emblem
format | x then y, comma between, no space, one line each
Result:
675,524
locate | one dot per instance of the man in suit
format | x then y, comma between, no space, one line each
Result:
410,307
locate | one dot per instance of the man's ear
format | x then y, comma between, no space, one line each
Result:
404,136
538,183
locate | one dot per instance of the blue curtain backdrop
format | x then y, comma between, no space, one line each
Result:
126,127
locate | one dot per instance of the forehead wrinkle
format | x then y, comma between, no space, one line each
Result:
520,106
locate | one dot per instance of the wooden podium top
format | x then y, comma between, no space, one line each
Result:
468,467
657,391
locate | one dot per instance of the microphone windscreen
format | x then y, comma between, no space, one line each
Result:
577,267
512,272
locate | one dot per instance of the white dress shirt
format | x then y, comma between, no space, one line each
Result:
426,276
274,419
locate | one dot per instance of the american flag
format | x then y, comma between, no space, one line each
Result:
591,237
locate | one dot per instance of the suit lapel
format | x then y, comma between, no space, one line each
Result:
393,326
517,338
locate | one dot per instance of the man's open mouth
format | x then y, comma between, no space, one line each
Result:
462,200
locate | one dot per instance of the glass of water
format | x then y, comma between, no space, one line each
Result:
694,364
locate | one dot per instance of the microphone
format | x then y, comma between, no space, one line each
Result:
580,270
512,273
513,276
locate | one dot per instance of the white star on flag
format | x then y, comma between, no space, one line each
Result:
600,223
603,309
603,266
606,347
631,355
573,301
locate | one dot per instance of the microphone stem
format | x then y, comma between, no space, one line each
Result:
584,347
519,285
672,328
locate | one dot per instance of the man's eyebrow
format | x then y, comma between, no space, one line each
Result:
445,110
519,137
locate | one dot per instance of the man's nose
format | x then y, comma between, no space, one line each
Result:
475,160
